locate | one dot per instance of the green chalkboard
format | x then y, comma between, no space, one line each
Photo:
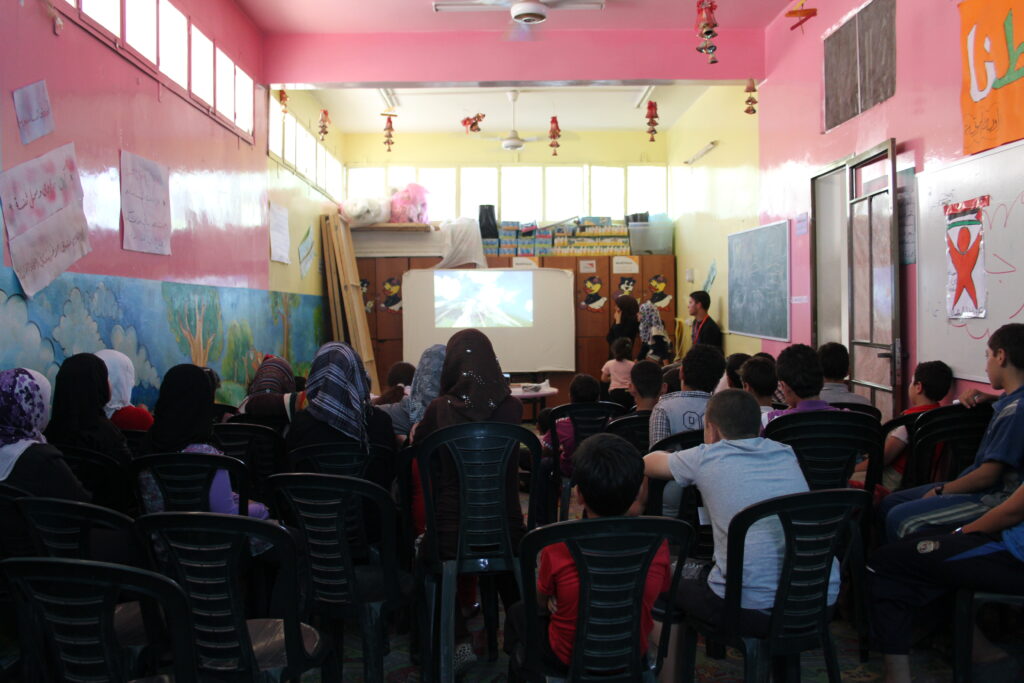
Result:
759,282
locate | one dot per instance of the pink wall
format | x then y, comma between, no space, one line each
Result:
923,116
104,104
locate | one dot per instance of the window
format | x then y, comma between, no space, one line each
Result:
477,186
173,43
140,27
608,191
290,125
106,13
365,182
335,178
321,166
646,188
305,152
400,176
202,66
275,128
563,192
521,193
244,96
440,184
225,85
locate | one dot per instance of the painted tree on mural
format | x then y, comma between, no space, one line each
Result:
194,316
281,306
237,364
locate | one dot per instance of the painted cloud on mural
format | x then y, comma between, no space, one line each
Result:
24,346
104,303
77,332
127,342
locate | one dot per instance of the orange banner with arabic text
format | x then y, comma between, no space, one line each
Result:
992,97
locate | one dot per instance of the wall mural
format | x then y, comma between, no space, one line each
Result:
158,325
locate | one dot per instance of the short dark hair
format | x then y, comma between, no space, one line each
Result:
835,360
584,388
645,376
701,297
609,471
670,376
544,421
622,348
732,368
703,366
401,373
735,413
799,367
935,377
1010,338
628,305
759,375
765,355
300,383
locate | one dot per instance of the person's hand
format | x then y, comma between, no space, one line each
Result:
931,493
618,316
972,397
552,605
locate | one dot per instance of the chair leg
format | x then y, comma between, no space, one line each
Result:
756,663
563,513
713,649
446,652
687,653
786,668
858,590
963,636
335,662
828,647
373,642
426,638
489,601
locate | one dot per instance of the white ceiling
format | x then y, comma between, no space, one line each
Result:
578,108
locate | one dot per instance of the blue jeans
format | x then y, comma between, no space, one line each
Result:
906,512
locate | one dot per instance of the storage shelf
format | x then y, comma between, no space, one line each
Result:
394,227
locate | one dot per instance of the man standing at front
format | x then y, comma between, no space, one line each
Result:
705,330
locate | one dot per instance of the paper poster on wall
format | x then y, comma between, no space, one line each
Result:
280,238
625,264
32,108
966,286
524,262
588,266
306,252
145,205
50,247
35,190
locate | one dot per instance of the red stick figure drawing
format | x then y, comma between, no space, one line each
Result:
964,255
964,233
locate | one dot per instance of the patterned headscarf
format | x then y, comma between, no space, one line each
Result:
274,376
471,381
22,411
426,383
338,390
121,374
650,323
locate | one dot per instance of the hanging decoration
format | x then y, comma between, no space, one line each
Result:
284,102
652,119
804,15
389,128
325,120
472,123
554,133
706,25
751,90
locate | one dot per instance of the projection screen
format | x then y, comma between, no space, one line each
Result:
527,313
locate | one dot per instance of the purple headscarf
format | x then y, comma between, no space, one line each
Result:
22,412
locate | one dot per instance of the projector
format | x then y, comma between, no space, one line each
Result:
513,143
529,12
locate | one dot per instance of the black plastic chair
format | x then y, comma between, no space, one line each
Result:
102,475
816,527
15,540
68,612
259,447
349,581
963,627
72,530
957,430
632,428
222,412
875,471
134,438
184,479
680,441
587,419
485,456
341,458
865,408
612,556
207,555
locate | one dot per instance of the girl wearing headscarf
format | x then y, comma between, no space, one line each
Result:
183,423
398,381
426,385
27,461
119,408
654,341
270,393
626,320
79,401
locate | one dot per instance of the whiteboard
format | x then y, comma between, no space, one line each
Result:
998,173
759,282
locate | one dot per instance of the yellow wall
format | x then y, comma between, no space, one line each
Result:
714,197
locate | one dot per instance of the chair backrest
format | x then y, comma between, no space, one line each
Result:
184,479
207,554
632,428
134,438
680,441
321,507
815,526
485,455
587,419
66,611
65,528
258,446
221,411
612,557
101,474
860,408
958,430
827,443
14,535
340,458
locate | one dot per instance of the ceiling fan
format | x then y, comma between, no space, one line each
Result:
521,12
512,142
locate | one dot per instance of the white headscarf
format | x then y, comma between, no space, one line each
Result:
121,374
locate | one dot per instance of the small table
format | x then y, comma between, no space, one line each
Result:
537,398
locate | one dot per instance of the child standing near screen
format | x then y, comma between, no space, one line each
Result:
617,372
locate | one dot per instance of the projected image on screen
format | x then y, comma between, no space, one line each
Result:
467,298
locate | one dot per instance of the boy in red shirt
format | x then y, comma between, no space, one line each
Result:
609,475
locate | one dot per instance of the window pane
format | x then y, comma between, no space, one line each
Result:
107,13
440,184
244,96
400,176
321,166
305,154
365,183
335,186
140,27
225,85
646,189
608,191
521,193
477,186
290,126
563,192
173,43
202,66
275,128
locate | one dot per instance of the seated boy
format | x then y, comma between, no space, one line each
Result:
835,365
610,478
758,378
733,453
932,381
800,380
645,386
583,389
683,411
995,473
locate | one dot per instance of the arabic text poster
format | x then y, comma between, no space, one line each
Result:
966,285
50,247
145,205
280,238
35,190
32,107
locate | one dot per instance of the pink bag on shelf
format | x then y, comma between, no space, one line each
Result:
409,205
